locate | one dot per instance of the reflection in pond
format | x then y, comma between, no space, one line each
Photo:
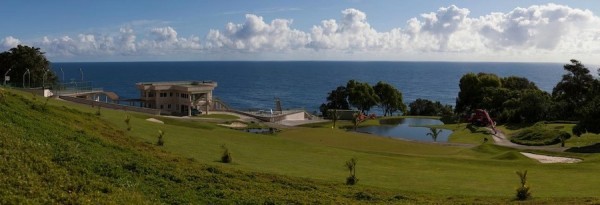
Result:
408,128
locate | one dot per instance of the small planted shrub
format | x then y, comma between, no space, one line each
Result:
434,132
127,121
98,111
523,191
351,166
226,156
160,141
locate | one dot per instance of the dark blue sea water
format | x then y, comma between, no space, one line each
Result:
302,84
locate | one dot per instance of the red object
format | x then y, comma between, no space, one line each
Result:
482,118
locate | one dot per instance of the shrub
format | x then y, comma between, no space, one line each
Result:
127,119
538,135
351,166
523,191
226,157
160,141
98,111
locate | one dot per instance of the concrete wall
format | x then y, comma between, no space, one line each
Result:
295,116
37,91
111,105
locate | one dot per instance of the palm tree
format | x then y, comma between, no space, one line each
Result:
434,132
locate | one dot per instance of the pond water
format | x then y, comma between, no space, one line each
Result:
407,128
261,130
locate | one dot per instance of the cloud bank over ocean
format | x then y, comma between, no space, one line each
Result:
545,32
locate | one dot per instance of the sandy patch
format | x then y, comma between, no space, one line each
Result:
234,125
550,159
155,120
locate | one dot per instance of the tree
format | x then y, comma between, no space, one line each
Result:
434,132
472,87
20,59
574,90
523,191
361,95
351,166
424,107
336,99
590,120
390,98
160,141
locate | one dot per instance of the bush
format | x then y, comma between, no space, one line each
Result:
226,157
523,191
160,141
127,121
539,135
351,166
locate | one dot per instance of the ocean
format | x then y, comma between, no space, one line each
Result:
301,84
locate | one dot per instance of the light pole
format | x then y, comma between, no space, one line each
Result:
6,74
27,72
63,75
44,79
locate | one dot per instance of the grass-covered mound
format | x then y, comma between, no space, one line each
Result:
538,135
57,155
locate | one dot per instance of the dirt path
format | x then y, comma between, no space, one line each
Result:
502,140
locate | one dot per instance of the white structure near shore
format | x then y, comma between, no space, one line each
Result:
178,98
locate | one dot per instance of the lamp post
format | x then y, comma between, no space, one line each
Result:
44,79
63,75
6,74
27,72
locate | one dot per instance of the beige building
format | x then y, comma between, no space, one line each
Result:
178,98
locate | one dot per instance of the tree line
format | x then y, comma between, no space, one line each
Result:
517,100
363,97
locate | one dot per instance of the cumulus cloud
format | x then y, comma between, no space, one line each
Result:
541,30
257,35
539,27
10,42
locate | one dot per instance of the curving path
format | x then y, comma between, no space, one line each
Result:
500,139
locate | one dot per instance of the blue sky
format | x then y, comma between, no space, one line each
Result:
541,31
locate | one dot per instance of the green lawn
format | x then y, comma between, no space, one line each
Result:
429,172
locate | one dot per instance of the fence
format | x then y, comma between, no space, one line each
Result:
111,105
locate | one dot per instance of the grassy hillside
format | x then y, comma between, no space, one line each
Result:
55,154
65,153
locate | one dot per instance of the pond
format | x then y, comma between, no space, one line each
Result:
261,130
407,128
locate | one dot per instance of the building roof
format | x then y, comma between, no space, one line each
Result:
188,86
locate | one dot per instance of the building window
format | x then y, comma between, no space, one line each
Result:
170,94
184,95
161,106
151,94
162,95
169,106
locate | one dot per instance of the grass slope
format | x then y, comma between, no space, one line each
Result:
125,166
58,155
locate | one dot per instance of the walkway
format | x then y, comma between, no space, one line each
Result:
500,139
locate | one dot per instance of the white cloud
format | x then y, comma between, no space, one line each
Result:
538,31
10,42
257,35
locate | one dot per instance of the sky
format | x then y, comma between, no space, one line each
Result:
355,30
